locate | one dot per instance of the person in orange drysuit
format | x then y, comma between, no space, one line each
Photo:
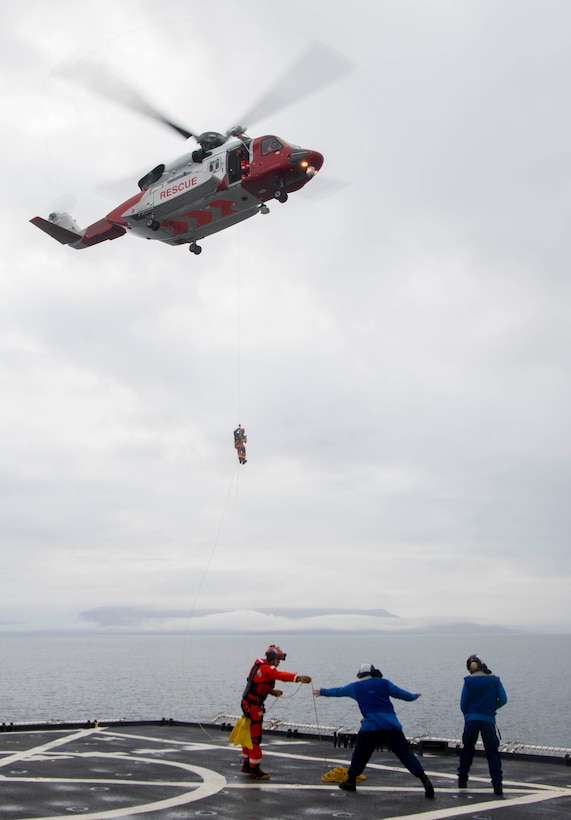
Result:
240,439
261,680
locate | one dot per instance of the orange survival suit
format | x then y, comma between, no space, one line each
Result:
240,439
261,680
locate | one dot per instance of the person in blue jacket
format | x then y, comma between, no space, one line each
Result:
380,725
482,695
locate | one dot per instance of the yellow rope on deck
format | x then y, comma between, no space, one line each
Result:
339,775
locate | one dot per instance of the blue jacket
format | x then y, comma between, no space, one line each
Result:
481,696
373,696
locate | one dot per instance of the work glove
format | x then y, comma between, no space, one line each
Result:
277,693
303,679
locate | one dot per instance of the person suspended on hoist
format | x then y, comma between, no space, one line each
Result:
261,680
240,439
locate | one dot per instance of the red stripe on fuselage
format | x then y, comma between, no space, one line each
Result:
226,206
178,227
205,217
201,217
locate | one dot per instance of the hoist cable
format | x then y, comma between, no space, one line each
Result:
239,301
235,477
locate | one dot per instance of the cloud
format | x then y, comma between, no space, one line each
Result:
398,352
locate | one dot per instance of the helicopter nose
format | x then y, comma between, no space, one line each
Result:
315,159
310,161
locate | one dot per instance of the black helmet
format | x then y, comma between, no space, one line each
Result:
274,653
367,670
480,666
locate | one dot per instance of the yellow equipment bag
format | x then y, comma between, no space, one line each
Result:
240,734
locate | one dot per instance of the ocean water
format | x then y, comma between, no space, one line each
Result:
197,677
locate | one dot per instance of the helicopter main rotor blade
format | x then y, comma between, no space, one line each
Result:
316,67
102,81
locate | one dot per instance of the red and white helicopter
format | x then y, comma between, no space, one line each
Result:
220,181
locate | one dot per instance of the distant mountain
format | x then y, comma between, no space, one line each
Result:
108,616
266,620
468,628
312,612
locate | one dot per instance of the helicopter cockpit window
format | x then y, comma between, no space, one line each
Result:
270,145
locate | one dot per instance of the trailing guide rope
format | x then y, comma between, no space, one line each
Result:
235,478
197,596
240,734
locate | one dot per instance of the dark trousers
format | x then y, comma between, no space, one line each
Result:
473,728
394,740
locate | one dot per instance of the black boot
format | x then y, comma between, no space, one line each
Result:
349,785
257,774
428,787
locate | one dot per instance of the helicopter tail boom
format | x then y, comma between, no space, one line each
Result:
63,228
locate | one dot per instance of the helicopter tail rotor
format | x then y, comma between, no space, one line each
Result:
60,226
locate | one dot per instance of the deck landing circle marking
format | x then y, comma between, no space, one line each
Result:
212,783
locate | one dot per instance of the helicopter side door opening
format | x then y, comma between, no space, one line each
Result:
238,164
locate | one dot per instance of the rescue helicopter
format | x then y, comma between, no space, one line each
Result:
222,178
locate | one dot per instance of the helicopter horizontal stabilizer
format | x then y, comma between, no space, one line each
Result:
63,235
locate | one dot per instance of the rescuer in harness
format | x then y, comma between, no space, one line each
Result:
261,680
240,439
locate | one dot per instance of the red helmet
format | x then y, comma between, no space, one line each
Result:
274,653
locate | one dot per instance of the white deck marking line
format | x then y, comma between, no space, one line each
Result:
530,787
35,750
204,746
476,808
193,784
212,782
527,788
104,781
165,741
431,814
267,784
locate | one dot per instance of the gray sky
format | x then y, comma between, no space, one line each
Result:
398,351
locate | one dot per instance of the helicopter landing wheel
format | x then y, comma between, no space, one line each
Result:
153,224
194,248
281,196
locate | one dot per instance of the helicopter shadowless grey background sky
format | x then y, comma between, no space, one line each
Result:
396,339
